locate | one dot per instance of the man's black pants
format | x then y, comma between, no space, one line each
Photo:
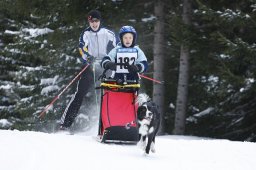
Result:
84,85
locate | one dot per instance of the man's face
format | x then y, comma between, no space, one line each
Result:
94,24
127,39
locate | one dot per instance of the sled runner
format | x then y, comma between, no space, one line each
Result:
118,112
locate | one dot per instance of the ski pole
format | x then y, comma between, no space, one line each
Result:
154,80
58,96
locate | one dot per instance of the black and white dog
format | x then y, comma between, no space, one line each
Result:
148,123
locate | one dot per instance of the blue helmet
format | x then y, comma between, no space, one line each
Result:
128,29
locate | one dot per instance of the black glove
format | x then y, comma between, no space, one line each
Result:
110,65
90,59
134,68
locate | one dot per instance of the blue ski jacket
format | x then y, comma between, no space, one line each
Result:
121,56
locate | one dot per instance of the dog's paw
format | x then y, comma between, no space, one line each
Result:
142,145
153,150
145,154
152,147
139,144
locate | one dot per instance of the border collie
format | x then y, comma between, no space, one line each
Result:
148,123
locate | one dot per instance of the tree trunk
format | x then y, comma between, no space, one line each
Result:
182,93
158,89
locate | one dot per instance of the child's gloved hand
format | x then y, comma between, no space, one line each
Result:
134,68
110,65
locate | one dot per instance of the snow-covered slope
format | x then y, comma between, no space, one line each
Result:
26,150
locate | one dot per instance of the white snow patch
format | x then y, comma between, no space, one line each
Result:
6,87
48,89
48,81
27,150
151,18
12,32
205,112
37,31
4,123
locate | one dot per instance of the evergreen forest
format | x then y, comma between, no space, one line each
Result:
39,56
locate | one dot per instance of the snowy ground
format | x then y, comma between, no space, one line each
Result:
26,150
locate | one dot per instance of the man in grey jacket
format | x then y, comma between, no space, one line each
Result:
94,43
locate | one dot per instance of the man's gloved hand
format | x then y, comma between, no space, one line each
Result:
110,65
87,59
83,60
90,59
134,68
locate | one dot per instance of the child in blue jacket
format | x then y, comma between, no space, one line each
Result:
126,59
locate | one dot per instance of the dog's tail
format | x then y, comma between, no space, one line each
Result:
142,98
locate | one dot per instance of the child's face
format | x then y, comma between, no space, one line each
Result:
127,39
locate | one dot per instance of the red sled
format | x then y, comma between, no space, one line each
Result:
118,113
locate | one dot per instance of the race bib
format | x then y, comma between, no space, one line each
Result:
125,57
